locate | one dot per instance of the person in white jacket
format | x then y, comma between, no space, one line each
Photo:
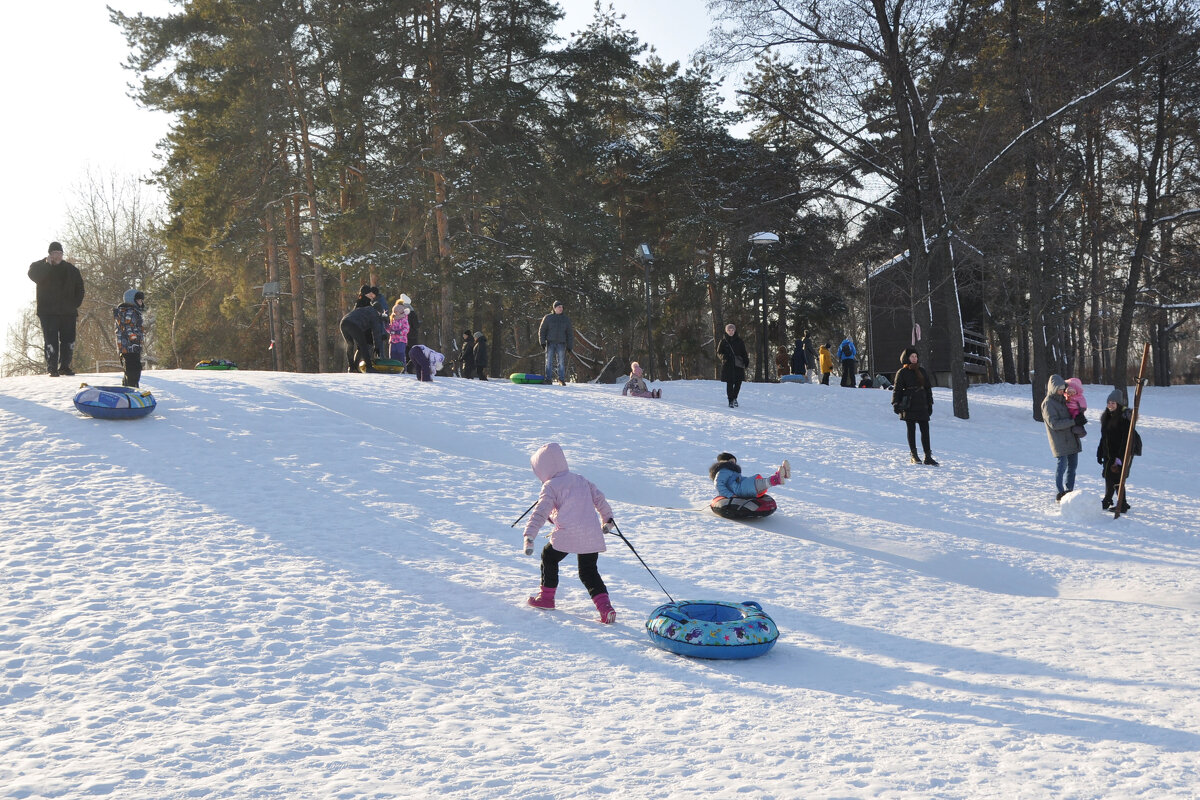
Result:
575,506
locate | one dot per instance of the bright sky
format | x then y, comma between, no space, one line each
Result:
68,110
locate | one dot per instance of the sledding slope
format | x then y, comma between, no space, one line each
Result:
285,585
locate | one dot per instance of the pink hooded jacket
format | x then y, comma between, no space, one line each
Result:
568,500
1076,402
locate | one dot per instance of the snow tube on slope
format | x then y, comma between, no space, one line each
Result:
712,629
389,365
526,377
114,402
793,379
215,363
743,507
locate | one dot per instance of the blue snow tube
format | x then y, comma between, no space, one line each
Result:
114,402
712,629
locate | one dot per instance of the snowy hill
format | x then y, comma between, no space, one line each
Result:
285,585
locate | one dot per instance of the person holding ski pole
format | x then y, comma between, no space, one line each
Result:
575,506
1114,433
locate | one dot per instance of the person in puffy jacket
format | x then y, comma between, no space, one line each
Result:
571,502
479,356
128,326
848,355
361,328
1110,452
826,358
734,358
426,361
912,399
1064,444
636,386
726,475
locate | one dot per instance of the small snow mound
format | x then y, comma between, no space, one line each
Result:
1080,506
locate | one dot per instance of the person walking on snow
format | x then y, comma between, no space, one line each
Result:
557,336
912,399
1064,444
571,502
848,355
734,357
59,295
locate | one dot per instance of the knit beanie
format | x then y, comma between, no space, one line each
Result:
1116,396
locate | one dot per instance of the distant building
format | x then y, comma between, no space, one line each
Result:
893,295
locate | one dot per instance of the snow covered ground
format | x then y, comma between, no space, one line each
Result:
285,585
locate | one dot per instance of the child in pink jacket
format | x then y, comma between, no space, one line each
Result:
1076,405
572,503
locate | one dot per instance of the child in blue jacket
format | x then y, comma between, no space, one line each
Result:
727,476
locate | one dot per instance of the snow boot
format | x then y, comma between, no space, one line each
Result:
544,598
930,460
914,458
785,469
607,614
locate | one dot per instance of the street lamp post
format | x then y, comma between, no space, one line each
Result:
647,258
761,371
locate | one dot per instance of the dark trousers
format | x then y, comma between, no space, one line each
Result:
848,372
58,333
825,378
358,347
588,572
912,435
420,363
1112,479
481,373
132,362
732,388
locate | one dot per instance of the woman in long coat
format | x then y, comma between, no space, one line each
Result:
734,357
912,399
1064,444
1110,452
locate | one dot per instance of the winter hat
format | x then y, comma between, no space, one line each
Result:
365,289
1116,396
466,333
908,351
557,304
54,247
726,457
636,368
405,299
478,334
131,296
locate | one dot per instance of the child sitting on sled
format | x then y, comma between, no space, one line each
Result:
572,503
636,385
727,476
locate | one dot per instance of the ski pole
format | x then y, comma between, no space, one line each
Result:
639,558
523,513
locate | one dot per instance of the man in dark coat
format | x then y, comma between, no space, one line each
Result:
361,328
557,336
466,359
799,359
912,399
734,358
479,355
59,295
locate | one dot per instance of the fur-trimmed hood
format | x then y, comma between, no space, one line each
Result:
720,465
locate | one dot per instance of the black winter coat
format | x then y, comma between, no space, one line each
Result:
480,353
913,383
466,359
1114,434
729,349
799,362
59,287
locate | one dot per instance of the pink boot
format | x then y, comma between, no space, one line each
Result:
607,614
544,598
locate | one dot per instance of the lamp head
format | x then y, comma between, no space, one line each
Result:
763,237
644,253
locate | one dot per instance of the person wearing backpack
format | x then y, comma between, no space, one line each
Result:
848,356
130,334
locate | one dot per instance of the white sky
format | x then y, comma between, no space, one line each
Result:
68,110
